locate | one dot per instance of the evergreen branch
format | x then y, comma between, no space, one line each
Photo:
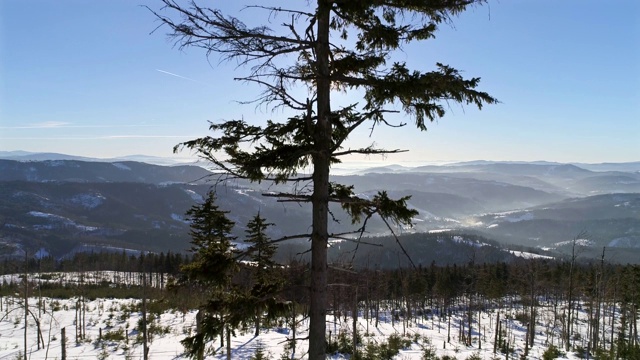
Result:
292,76
280,164
288,197
369,151
244,253
291,237
353,121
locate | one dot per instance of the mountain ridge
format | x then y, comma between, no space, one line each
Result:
136,205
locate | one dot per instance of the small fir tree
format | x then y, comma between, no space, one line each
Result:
267,282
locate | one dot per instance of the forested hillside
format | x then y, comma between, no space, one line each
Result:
65,206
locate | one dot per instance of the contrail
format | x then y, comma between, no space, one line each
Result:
180,76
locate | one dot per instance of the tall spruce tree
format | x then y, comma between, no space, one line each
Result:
334,46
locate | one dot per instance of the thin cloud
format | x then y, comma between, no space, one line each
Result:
109,137
40,125
181,77
52,124
65,125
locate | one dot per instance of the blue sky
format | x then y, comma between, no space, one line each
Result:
88,78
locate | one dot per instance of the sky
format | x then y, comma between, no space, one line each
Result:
93,78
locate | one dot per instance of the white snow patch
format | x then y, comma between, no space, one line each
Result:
437,231
47,215
240,245
59,219
121,166
579,242
246,192
88,201
462,240
624,204
54,163
194,195
513,216
86,228
42,253
529,255
179,218
169,183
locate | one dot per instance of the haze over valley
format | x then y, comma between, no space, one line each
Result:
63,206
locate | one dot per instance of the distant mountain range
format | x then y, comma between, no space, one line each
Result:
99,172
31,156
62,205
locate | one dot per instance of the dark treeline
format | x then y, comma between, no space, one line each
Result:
169,263
434,286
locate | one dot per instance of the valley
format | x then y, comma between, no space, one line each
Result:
63,206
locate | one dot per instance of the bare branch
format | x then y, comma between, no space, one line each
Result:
398,242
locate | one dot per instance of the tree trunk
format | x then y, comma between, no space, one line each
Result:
26,301
496,335
479,329
84,317
355,324
470,320
63,344
257,332
449,329
293,329
228,343
320,197
145,348
612,322
77,324
199,317
377,312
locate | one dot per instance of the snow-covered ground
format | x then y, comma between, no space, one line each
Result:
113,316
118,321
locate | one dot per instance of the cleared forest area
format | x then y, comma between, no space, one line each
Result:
528,309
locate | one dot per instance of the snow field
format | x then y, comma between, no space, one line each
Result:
113,316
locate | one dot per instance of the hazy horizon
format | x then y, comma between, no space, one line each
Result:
351,164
